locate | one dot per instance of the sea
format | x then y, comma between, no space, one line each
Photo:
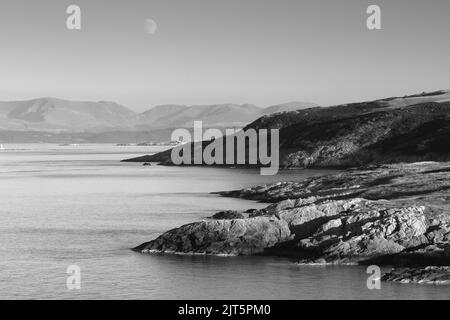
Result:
77,207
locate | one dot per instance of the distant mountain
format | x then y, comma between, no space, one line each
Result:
57,116
50,114
406,129
218,115
160,115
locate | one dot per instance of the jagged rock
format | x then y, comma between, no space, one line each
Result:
427,275
428,181
368,230
390,214
222,237
344,231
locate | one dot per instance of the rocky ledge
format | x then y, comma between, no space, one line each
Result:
428,275
392,214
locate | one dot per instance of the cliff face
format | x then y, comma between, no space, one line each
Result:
409,129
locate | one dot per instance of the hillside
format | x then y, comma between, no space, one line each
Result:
412,128
290,106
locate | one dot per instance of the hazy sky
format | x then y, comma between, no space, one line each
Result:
217,51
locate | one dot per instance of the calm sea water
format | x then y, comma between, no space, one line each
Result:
78,205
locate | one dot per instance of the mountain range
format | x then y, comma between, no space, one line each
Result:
62,116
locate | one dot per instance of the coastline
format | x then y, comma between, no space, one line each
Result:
387,215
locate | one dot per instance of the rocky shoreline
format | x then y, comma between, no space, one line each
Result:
387,215
427,275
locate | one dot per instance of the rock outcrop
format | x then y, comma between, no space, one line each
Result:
397,214
427,275
223,237
428,182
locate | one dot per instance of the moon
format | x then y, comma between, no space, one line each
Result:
150,26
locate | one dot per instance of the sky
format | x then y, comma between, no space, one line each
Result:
262,52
